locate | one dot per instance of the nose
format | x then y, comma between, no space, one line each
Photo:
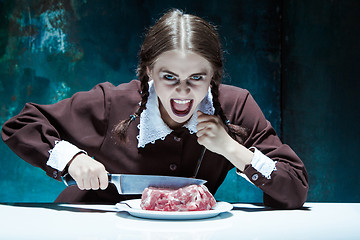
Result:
183,88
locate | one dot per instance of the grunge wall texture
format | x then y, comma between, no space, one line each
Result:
299,59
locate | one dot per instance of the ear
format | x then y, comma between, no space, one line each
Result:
148,72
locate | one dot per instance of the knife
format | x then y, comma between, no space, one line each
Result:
135,184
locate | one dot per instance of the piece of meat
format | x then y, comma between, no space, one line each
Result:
190,198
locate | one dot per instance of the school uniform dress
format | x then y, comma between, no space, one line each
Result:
49,136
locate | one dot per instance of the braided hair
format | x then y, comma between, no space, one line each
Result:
177,30
121,128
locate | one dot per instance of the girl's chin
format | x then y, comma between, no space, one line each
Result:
181,119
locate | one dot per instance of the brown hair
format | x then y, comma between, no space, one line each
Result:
177,30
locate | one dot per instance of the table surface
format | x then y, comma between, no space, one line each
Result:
245,221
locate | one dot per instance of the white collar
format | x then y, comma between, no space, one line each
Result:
152,127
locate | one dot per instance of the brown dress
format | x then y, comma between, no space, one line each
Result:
87,120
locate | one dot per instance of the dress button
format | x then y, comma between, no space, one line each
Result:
173,167
255,177
55,174
177,139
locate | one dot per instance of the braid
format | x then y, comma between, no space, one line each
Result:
216,102
121,128
237,132
144,94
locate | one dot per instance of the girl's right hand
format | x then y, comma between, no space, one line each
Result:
88,173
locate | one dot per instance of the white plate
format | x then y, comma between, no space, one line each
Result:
133,208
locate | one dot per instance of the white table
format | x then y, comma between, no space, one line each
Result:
245,221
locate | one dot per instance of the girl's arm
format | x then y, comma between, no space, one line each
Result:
49,136
263,158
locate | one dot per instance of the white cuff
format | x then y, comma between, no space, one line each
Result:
61,154
263,163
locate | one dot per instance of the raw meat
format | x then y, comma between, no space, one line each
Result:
190,198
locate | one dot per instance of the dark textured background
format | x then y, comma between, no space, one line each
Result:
299,59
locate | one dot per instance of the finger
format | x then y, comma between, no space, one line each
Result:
94,183
79,180
206,133
202,117
200,133
209,122
203,140
87,186
80,184
87,183
206,122
209,126
210,134
203,131
200,126
103,180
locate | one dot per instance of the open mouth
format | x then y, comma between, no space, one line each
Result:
181,107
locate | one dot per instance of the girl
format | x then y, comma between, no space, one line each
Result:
168,117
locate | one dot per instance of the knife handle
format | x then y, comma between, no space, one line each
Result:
69,181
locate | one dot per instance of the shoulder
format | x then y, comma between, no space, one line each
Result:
240,107
103,95
130,90
232,95
232,89
107,90
131,86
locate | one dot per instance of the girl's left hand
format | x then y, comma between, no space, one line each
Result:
211,133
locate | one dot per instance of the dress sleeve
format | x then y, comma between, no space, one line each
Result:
286,184
80,120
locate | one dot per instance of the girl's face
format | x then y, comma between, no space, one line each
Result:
181,81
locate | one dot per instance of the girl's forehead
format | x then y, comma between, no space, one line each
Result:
182,61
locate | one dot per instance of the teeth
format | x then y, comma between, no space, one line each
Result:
181,101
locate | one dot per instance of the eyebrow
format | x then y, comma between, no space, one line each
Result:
172,73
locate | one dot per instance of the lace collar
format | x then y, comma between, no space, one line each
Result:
152,127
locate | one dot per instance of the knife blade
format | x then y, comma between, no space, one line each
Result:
135,184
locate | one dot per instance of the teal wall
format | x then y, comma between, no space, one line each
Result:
320,93
52,49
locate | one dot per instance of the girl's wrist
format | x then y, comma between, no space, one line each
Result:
237,154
